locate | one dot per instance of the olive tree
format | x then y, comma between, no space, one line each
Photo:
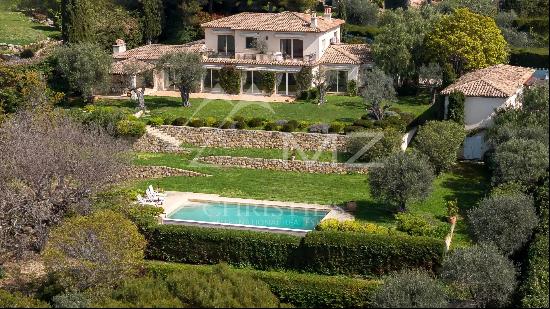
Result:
101,249
518,160
185,70
378,92
49,166
401,178
410,289
506,220
481,272
85,67
440,141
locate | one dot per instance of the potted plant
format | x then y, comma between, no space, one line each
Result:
452,211
261,46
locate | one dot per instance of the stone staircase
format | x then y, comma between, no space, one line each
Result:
155,140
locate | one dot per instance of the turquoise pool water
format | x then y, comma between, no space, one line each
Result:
250,215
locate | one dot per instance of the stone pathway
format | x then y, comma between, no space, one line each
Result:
155,140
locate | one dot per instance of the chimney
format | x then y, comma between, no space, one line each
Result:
314,20
119,47
328,13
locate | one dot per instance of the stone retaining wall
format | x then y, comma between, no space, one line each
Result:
147,172
286,165
151,143
234,138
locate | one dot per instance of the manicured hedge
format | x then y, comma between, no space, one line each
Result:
197,245
329,253
530,57
535,287
300,290
359,254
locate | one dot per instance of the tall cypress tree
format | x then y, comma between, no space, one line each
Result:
152,11
76,24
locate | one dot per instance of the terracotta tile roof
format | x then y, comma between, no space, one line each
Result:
125,66
499,81
155,51
285,21
347,54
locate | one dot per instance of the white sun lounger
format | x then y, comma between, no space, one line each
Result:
152,190
144,201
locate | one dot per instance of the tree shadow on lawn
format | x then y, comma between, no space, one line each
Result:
374,212
160,102
469,184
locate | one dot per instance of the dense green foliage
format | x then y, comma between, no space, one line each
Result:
530,57
115,122
353,226
85,67
401,179
482,273
417,225
304,79
17,300
379,144
230,79
440,141
80,261
467,40
534,289
410,289
507,221
319,252
152,19
520,160
299,289
267,82
455,109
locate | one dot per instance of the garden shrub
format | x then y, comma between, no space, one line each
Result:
507,221
198,245
336,127
417,225
440,141
18,300
455,109
530,57
78,263
351,129
230,79
255,122
71,300
239,118
143,292
267,82
290,126
313,94
534,289
155,121
389,144
481,273
352,226
318,128
168,120
302,290
210,121
26,53
197,123
319,252
522,161
221,288
240,125
411,289
352,88
130,128
304,80
271,126
365,123
402,178
180,121
347,253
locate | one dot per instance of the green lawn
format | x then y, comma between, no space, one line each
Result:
337,108
16,28
467,183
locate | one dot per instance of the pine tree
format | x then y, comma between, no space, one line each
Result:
152,11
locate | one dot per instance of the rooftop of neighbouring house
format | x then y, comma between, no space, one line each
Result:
285,21
155,51
501,81
347,54
130,66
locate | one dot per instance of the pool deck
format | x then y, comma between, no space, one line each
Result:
175,200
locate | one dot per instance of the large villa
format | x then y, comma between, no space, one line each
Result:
289,41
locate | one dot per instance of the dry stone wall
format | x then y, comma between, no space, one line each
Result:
286,165
147,172
234,138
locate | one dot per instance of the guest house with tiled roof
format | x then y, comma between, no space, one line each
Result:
485,91
254,42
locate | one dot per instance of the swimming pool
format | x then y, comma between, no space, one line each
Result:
249,216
